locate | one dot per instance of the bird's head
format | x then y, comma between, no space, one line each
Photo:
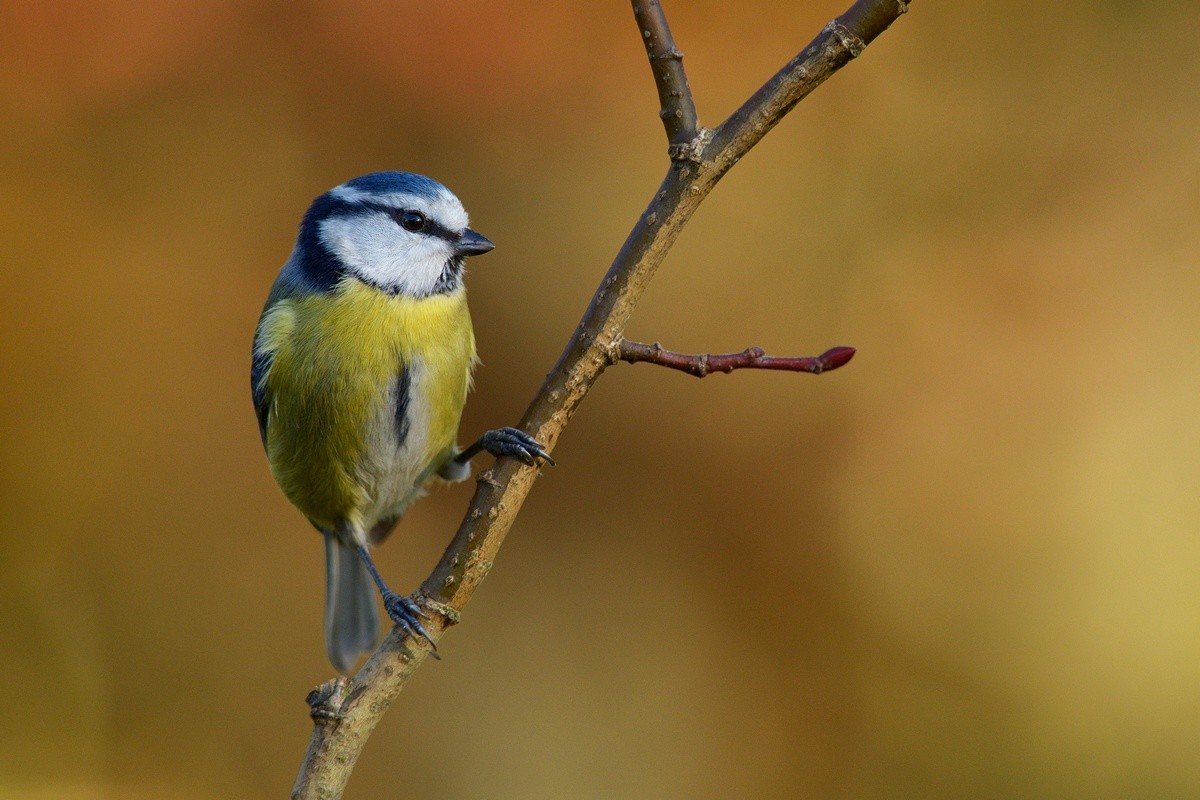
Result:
397,231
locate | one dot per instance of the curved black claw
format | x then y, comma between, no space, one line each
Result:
516,443
408,615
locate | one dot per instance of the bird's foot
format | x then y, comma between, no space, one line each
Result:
408,615
516,443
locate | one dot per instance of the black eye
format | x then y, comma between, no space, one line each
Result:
413,221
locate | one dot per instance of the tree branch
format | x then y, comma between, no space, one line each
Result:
840,41
338,738
750,358
666,62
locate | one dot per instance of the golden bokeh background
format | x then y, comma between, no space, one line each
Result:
966,565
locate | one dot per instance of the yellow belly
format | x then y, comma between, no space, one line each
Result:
331,436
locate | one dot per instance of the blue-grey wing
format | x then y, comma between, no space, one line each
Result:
259,367
290,283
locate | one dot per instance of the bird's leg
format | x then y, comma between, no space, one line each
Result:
403,610
507,442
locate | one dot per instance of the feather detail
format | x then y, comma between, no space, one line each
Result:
338,361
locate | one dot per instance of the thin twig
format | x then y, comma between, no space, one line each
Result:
840,41
750,358
336,744
666,62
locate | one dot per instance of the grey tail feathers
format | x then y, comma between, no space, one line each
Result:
351,618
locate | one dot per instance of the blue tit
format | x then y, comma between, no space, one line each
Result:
361,365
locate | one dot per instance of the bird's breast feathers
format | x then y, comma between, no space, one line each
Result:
365,394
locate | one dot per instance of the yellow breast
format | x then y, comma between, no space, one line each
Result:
331,438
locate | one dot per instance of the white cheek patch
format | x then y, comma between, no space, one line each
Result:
374,247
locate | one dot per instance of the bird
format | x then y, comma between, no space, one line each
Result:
361,364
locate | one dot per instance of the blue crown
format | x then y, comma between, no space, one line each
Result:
395,182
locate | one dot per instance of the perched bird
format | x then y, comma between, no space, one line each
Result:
361,365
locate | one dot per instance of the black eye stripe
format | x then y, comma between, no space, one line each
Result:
431,228
411,221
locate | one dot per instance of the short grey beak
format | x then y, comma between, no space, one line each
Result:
471,243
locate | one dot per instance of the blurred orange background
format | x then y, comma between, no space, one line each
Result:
963,566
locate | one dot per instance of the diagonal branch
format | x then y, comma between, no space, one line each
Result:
839,42
750,358
666,62
347,715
